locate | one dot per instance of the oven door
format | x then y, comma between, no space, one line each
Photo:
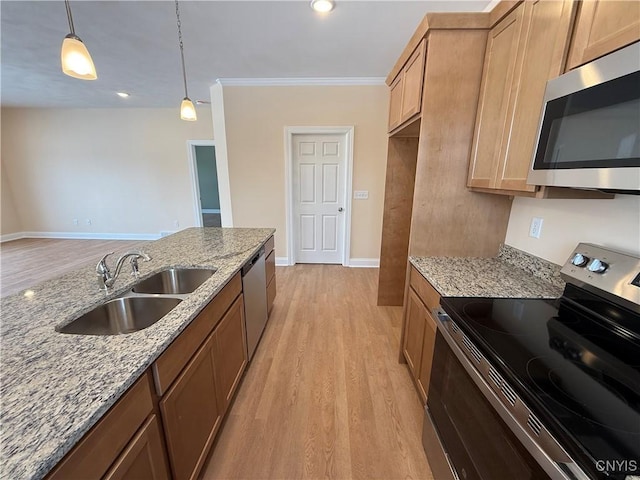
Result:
477,441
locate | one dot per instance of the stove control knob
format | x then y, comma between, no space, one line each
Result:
597,266
579,260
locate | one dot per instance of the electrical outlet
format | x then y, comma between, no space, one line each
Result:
361,194
88,221
75,221
536,227
176,224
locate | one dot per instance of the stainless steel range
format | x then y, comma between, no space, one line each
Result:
531,388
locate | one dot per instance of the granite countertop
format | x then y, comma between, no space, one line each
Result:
54,387
512,274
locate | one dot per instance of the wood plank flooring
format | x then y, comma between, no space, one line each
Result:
325,396
29,261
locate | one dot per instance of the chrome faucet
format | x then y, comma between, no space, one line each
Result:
106,279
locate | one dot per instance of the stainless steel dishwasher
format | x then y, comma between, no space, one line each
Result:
254,288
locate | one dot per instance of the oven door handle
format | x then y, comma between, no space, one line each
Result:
545,449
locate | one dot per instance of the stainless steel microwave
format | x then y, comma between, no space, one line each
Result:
589,135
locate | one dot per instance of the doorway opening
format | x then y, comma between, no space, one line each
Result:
319,168
205,183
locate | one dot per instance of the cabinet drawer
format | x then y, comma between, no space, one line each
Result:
175,357
425,291
270,266
271,293
269,245
99,448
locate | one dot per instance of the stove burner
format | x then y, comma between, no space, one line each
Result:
608,406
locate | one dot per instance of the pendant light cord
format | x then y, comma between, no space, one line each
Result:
70,17
184,73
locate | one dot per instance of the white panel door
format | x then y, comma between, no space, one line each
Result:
318,197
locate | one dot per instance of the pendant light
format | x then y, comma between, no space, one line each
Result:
187,109
74,56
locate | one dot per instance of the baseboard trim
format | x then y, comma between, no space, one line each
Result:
210,210
282,261
364,262
81,236
7,237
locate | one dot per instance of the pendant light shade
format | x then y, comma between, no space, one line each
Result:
188,110
74,56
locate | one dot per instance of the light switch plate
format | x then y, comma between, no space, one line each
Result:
361,194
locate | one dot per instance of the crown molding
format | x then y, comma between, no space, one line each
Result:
307,81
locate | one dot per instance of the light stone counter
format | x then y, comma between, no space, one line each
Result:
54,387
512,274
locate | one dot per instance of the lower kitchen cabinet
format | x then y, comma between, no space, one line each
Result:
230,353
144,458
129,430
191,414
419,331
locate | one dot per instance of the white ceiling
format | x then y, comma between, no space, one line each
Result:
135,49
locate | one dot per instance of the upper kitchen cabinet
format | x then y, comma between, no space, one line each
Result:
524,50
601,27
406,89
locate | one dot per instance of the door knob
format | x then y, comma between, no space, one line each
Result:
341,209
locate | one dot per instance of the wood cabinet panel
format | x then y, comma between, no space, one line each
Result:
271,293
603,26
412,87
423,288
495,92
270,266
144,457
414,332
428,345
98,449
269,245
169,365
541,50
230,353
191,415
395,102
396,219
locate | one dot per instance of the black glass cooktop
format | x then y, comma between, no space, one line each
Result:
578,369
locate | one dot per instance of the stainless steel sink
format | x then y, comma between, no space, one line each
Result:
174,281
122,315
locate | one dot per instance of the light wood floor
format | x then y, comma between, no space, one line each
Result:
324,396
29,261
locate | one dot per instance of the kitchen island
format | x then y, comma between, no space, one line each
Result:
55,387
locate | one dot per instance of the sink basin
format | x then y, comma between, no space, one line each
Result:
174,281
122,315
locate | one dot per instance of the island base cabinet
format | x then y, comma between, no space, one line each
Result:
230,353
191,415
144,458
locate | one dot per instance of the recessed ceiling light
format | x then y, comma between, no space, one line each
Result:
203,102
322,6
122,94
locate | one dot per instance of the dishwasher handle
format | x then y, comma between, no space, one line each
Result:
247,266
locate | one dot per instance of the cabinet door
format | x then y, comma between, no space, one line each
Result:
191,415
424,375
603,26
144,457
414,332
395,102
541,49
413,74
495,92
230,353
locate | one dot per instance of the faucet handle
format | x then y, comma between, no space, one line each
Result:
101,267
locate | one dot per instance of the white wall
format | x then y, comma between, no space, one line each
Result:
254,122
124,169
611,223
10,222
